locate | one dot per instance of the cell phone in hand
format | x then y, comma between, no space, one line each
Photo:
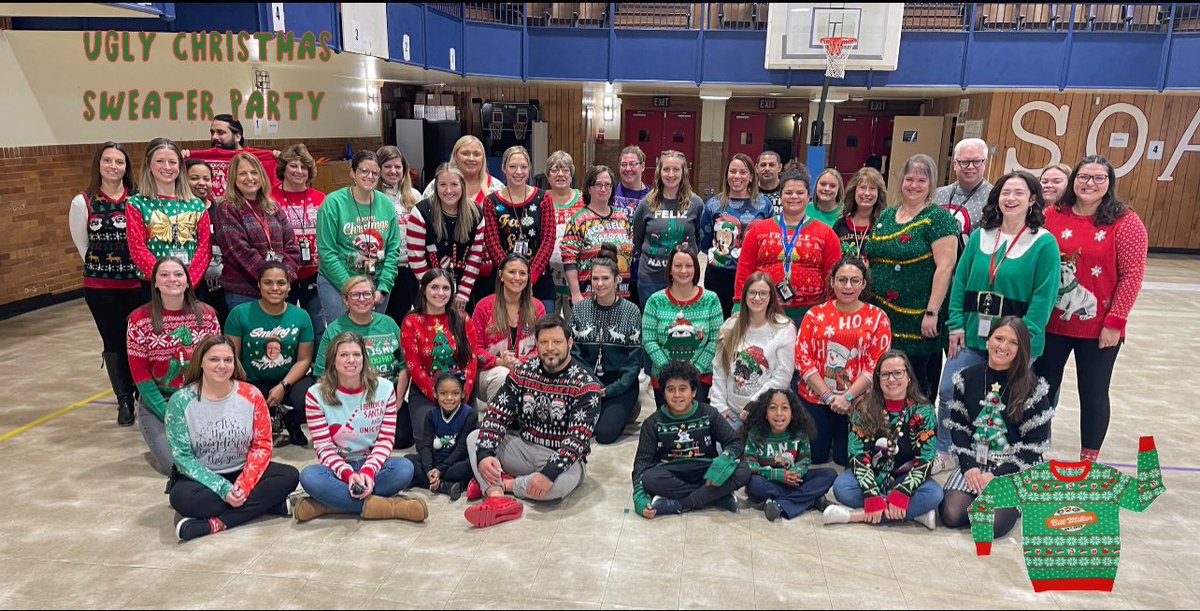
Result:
357,489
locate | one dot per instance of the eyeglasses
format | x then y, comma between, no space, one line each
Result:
361,295
968,163
851,281
1098,179
603,186
759,294
893,375
369,173
629,166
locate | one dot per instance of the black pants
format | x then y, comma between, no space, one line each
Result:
304,294
193,500
404,292
701,395
410,422
833,434
954,513
614,413
1094,369
293,418
110,310
928,368
720,281
684,482
213,296
458,472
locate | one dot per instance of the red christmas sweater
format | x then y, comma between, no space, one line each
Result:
817,249
840,346
505,223
1102,270
158,360
301,207
492,344
429,349
218,160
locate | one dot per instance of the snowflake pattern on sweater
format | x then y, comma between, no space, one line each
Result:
840,346
429,347
158,360
1004,447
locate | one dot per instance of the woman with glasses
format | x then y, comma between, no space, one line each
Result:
598,223
626,195
840,342
723,224
1103,244
357,235
568,200
756,351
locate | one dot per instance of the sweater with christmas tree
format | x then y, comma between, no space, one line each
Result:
382,336
762,360
840,346
608,342
98,230
555,410
212,437
815,251
358,427
159,227
1025,270
984,436
529,223
492,343
1102,270
852,236
301,208
157,360
1070,517
429,347
723,225
772,455
898,459
432,248
674,330
354,238
586,232
689,438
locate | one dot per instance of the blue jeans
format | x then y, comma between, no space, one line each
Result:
967,357
794,500
305,294
847,492
233,300
325,487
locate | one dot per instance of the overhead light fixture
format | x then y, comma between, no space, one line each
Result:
715,96
608,109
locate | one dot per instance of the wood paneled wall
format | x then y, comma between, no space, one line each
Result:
561,107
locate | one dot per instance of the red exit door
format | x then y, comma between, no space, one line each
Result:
861,140
658,131
747,134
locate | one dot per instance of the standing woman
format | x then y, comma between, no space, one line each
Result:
445,231
1103,244
670,215
357,234
912,252
999,419
608,332
220,436
160,340
436,337
826,205
840,342
274,341
1009,267
794,251
567,201
868,199
1055,181
300,203
200,180
756,351
503,326
164,219
396,184
251,230
110,283
519,219
723,225
597,224
626,195
681,322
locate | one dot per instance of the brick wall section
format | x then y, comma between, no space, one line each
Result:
37,184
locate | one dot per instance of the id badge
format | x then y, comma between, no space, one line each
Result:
182,255
985,325
274,256
305,250
785,290
521,247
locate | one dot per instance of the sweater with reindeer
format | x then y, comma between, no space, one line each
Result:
157,360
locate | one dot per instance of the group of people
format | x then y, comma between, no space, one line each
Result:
236,303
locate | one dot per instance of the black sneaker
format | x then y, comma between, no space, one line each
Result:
727,502
297,438
454,491
820,503
192,528
772,510
664,506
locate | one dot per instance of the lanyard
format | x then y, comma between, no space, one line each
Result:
993,266
301,203
263,222
789,244
969,195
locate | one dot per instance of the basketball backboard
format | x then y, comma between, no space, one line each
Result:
794,33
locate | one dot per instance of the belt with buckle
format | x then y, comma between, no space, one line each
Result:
990,303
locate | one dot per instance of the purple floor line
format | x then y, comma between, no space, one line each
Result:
1175,469
104,402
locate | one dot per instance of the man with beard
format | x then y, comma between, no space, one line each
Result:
228,140
554,403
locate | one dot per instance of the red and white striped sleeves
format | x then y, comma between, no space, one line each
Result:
327,451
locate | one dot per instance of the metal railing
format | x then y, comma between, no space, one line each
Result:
1094,17
657,15
454,9
1187,18
737,15
505,13
935,17
568,14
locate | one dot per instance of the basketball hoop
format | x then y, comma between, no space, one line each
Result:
837,51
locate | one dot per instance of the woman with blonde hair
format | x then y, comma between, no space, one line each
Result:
164,219
866,200
396,183
828,194
469,156
519,219
445,231
669,215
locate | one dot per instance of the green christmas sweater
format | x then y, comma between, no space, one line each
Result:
899,460
382,337
354,238
701,435
773,455
1070,517
675,330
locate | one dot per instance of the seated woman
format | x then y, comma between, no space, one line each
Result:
778,433
160,338
220,436
275,341
503,325
892,448
680,322
756,351
352,416
608,332
999,422
678,466
441,461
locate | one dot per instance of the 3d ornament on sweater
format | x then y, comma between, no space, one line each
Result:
443,354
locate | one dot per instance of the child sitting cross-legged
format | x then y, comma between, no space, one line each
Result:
679,466
777,433
441,460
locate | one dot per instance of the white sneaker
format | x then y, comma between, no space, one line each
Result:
944,462
928,519
836,514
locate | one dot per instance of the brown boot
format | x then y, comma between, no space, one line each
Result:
308,508
396,508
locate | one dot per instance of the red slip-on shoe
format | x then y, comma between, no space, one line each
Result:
493,511
474,492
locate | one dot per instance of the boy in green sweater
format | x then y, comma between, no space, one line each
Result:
678,466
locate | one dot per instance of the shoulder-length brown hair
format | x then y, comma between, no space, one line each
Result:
93,188
727,343
752,189
1034,219
1111,208
871,407
195,371
296,152
234,196
368,377
386,154
683,196
869,176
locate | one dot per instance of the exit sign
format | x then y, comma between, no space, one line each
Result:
877,105
766,103
662,102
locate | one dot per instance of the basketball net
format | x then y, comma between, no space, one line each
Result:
837,51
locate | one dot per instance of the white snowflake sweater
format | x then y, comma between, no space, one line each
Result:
765,358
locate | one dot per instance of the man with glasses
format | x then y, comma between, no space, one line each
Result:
964,199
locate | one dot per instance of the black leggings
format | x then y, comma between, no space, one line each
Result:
833,434
954,513
614,414
110,310
193,500
928,368
1094,369
720,281
293,418
404,291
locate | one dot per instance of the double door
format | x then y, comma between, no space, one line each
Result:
862,140
656,131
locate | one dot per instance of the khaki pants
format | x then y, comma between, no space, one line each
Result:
522,460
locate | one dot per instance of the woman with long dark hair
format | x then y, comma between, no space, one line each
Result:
503,326
110,282
723,225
